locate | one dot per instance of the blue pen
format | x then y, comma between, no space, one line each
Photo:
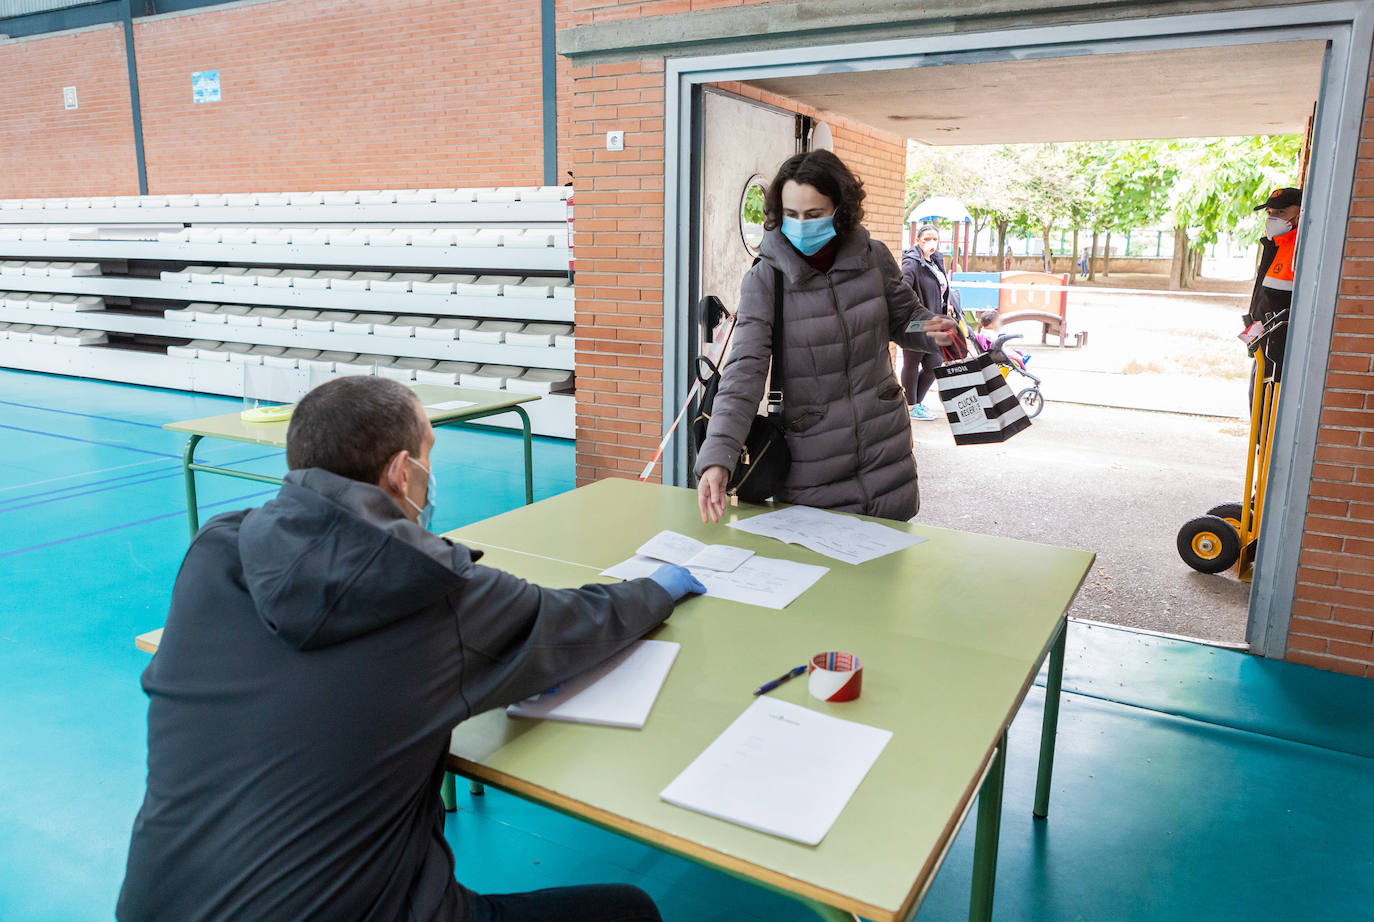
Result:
789,674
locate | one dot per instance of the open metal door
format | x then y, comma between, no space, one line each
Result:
741,145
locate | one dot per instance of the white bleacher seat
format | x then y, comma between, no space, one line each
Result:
12,267
290,358
126,201
339,198
182,314
284,278
11,233
433,238
446,373
404,326
211,200
561,289
490,331
69,337
185,275
540,381
238,235
563,342
389,238
239,199
14,300
271,199
287,319
545,194
405,369
528,240
415,196
154,201
538,334
305,198
257,315
238,315
359,281
181,201
172,236
249,276
400,281
377,197
39,301
77,303
445,328
310,236
346,236
239,353
273,236
325,361
221,274
5,331
20,332
454,196
441,284
361,324
532,287
324,321
321,279
43,334
497,195
37,268
364,364
486,237
201,349
490,377
206,312
204,234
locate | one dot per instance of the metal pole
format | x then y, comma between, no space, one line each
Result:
188,465
134,106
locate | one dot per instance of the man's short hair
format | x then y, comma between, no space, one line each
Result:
352,426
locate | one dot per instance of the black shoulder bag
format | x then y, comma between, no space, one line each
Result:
762,467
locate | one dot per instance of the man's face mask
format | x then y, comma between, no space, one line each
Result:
1276,227
426,512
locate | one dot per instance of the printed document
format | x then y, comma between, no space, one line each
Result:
689,552
781,769
451,405
618,693
758,581
839,536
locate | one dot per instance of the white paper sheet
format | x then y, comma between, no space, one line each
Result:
761,581
451,405
781,769
688,552
839,536
618,693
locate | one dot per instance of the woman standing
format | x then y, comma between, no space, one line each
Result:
924,270
843,302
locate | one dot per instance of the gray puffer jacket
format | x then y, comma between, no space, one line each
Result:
846,417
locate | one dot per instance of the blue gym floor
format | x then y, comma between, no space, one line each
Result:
1191,783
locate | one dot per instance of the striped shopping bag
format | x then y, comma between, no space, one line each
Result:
980,406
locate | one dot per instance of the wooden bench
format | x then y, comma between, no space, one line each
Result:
1049,308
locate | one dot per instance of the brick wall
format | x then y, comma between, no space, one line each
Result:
320,94
1333,608
47,150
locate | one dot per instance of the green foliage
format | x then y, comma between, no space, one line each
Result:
753,205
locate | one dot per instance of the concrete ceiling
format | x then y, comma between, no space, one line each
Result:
1188,93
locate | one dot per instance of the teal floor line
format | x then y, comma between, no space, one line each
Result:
1190,783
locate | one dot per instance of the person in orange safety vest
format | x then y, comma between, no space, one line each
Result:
1273,290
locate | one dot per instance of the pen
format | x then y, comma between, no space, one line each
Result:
789,674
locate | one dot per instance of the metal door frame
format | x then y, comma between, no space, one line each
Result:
1347,27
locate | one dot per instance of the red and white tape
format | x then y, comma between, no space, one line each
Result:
835,676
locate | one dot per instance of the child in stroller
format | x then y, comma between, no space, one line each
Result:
989,340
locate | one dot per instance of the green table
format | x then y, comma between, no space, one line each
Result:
231,427
951,633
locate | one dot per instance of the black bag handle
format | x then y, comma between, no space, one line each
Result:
775,378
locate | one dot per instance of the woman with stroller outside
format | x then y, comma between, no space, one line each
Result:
923,268
843,302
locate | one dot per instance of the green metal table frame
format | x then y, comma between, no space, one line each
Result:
190,466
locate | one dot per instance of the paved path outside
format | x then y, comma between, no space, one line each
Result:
1115,481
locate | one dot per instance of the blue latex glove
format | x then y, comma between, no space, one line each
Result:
677,581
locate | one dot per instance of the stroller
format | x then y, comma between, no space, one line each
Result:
1031,400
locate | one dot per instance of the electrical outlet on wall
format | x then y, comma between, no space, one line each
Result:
615,140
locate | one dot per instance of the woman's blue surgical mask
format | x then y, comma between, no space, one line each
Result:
810,235
427,510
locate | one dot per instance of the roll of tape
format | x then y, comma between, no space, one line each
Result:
835,676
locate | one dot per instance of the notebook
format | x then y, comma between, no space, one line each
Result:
618,693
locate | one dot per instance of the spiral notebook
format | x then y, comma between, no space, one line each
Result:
619,693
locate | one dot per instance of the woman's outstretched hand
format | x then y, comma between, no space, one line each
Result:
711,493
939,329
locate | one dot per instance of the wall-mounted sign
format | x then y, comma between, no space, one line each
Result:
69,97
205,86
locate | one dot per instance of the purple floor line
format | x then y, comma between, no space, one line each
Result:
109,419
113,483
112,528
72,438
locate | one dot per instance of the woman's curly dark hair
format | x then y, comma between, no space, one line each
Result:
828,174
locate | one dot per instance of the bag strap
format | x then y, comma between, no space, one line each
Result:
775,377
957,350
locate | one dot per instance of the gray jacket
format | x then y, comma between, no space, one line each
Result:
846,417
318,652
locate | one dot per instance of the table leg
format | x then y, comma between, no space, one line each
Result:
829,913
985,842
188,460
476,789
1049,727
529,454
448,794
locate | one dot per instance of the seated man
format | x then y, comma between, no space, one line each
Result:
317,653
